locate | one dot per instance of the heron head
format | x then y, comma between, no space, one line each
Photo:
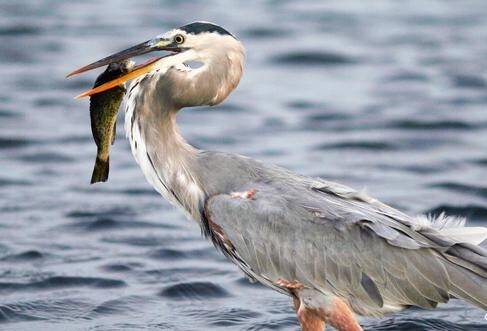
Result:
197,41
197,36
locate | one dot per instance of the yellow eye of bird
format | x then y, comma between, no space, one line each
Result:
179,39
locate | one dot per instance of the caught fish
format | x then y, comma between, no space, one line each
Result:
103,113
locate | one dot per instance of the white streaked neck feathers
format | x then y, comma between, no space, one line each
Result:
166,159
164,156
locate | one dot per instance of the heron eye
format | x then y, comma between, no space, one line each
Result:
179,39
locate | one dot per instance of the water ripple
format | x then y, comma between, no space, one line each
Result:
408,324
463,188
57,282
313,59
194,291
24,256
471,212
14,143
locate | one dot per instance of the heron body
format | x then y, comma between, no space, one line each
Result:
337,252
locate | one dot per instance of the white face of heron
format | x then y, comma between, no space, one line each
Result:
203,46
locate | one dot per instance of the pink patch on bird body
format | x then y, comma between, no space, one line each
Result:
244,195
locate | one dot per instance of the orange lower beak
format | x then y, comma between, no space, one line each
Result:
134,73
156,44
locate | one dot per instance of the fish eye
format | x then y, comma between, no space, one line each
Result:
179,39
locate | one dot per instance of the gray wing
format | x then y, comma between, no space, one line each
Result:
338,241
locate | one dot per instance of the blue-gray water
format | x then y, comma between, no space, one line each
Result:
388,95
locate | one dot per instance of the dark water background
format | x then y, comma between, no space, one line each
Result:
388,95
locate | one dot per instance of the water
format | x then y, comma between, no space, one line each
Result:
386,95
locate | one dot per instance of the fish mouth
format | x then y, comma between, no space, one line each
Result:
157,44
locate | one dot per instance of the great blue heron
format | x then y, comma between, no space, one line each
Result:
337,252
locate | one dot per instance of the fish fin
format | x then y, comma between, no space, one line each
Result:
114,132
100,171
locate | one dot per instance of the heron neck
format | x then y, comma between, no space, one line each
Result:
175,151
165,158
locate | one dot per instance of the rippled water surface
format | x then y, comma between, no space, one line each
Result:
388,95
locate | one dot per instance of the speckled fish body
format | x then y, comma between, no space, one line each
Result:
104,108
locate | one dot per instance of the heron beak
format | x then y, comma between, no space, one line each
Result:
157,44
134,73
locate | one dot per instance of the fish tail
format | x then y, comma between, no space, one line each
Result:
100,171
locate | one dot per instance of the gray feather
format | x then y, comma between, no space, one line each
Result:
346,244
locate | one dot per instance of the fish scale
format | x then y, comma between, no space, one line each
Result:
104,109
